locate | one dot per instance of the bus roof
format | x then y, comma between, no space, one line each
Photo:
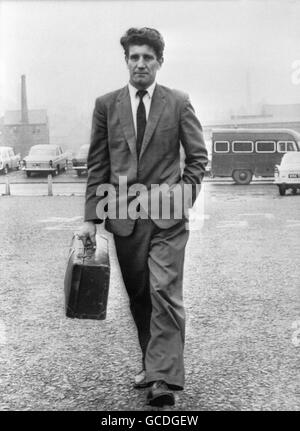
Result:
257,131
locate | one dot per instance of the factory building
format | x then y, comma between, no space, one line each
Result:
23,128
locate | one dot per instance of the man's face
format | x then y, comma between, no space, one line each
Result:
142,64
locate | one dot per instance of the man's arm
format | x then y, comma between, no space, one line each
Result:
98,162
196,159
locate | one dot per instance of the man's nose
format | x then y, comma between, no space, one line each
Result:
141,63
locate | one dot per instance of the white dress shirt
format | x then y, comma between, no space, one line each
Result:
135,100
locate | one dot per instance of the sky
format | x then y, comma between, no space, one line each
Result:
228,55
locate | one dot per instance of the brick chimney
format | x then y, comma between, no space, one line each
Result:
24,108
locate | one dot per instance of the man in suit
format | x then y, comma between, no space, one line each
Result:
135,145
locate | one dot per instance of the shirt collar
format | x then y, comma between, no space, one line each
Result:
133,90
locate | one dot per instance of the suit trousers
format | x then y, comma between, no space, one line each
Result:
151,261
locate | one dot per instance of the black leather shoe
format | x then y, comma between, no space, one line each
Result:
140,380
159,395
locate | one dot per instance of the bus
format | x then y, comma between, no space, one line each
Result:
243,153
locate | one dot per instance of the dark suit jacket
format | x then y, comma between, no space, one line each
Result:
113,150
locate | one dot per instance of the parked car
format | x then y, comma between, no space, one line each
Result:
8,159
287,174
79,162
45,158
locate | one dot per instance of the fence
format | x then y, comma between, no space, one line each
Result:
49,188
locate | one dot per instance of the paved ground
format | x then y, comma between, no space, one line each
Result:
241,291
19,176
68,183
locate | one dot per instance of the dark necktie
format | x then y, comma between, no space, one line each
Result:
140,121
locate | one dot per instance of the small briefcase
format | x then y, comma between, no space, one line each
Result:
87,280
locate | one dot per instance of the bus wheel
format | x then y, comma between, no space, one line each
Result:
282,189
242,176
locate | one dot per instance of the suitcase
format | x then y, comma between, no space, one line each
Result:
86,281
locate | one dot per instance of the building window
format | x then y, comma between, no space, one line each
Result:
36,130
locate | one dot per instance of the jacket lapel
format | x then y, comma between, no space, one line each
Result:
157,105
126,120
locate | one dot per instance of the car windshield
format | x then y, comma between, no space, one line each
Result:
292,158
42,152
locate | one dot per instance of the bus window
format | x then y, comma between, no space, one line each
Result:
242,146
221,146
284,146
265,146
291,146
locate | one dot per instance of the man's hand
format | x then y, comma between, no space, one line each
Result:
87,233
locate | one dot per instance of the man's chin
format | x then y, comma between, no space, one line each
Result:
141,82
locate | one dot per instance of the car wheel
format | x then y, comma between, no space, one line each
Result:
282,190
242,176
294,191
28,173
79,173
5,170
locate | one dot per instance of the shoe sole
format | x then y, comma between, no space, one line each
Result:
141,385
162,400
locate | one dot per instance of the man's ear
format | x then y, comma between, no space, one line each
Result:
161,60
126,58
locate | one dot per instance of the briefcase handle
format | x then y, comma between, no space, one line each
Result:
88,248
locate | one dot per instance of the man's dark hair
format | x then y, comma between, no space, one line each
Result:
143,36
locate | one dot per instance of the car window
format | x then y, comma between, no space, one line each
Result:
42,152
